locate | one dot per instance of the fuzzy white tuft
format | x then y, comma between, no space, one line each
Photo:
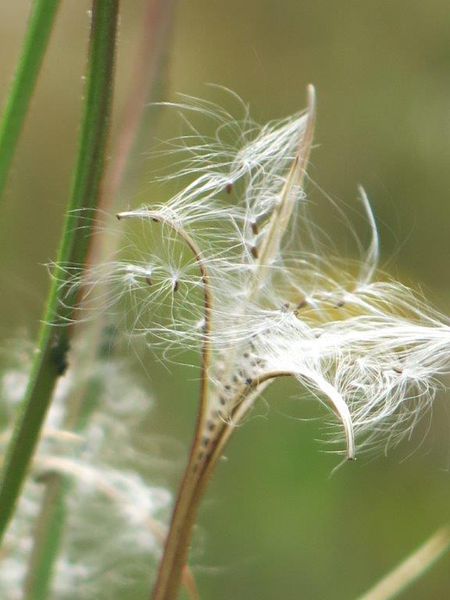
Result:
113,524
279,301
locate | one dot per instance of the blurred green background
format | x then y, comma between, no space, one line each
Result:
275,523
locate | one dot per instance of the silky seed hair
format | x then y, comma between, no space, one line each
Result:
114,522
233,263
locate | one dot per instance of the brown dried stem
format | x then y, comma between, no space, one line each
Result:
191,493
183,518
412,568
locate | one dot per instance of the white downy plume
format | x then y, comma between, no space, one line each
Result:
279,299
113,526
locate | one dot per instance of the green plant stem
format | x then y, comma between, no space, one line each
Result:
51,356
35,44
51,521
148,75
48,531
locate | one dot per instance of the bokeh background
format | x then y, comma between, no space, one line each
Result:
276,522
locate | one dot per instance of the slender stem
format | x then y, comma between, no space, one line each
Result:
279,221
398,580
190,494
183,518
193,487
35,44
48,532
157,217
198,472
51,356
51,521
147,75
207,303
180,533
275,229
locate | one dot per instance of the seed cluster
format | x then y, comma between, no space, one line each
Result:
230,385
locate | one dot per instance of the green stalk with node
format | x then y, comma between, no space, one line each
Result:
54,339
